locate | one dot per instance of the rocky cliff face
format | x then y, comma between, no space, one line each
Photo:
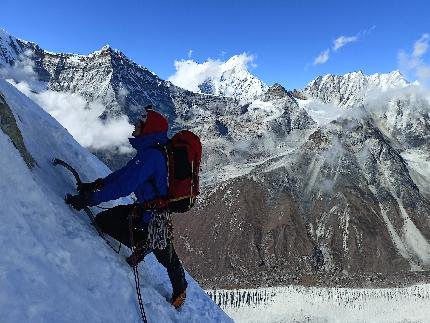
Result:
357,188
345,190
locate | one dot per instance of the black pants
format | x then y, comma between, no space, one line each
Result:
115,223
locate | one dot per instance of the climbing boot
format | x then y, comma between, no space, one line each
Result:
178,300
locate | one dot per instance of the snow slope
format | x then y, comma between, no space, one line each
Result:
418,164
54,267
9,47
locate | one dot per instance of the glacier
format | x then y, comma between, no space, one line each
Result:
326,305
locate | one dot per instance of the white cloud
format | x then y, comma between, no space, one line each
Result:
190,74
322,113
190,53
413,65
338,43
421,46
72,111
22,70
342,41
82,120
322,58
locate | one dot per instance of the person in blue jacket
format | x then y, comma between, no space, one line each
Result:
146,176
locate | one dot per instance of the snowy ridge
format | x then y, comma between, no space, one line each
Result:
352,88
54,267
387,81
343,305
10,48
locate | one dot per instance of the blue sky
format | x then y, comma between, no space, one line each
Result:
285,37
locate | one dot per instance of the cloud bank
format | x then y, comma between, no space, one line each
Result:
22,70
72,111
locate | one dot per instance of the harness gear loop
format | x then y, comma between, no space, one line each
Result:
160,229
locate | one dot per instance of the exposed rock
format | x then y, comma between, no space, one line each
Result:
345,190
9,127
276,91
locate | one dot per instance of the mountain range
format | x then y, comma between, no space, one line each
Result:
340,166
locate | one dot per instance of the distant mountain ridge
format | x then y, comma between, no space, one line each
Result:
124,88
351,89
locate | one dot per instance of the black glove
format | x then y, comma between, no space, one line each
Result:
78,202
86,188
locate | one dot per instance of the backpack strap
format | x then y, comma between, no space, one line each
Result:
154,187
159,202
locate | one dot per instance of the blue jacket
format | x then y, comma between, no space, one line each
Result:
146,169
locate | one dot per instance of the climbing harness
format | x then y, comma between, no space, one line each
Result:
160,229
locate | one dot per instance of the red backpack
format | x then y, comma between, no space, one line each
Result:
184,153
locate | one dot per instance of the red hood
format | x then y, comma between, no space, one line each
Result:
155,122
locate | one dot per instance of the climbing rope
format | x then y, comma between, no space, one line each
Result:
160,230
135,251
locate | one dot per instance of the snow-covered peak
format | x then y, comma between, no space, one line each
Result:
237,82
109,49
10,48
3,33
351,88
230,78
237,62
